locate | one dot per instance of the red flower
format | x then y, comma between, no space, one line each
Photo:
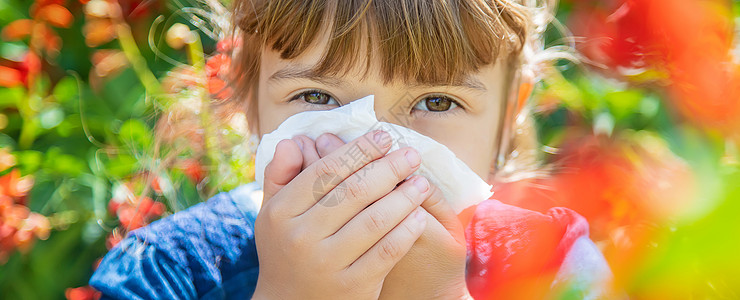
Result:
10,77
156,186
113,239
15,73
686,42
82,293
15,186
217,68
193,170
612,182
227,44
19,227
138,213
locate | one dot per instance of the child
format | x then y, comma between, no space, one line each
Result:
446,69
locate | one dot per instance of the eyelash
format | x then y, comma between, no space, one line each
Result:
424,113
311,91
458,108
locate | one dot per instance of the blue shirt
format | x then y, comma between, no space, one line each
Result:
204,252
208,252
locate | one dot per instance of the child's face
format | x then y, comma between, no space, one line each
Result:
464,118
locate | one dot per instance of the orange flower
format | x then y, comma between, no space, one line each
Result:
217,68
17,29
136,214
108,62
10,77
218,65
55,15
49,40
82,293
13,185
98,32
19,227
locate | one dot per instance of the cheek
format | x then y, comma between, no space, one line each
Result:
271,114
473,140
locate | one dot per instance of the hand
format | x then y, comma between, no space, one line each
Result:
434,268
435,265
334,230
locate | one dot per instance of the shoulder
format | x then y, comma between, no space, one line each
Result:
518,253
207,249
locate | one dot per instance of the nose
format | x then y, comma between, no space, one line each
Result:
394,108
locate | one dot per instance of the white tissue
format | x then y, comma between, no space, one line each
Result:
460,186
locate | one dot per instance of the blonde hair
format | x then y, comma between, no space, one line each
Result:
420,41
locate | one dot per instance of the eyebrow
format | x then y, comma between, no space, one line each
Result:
304,72
308,73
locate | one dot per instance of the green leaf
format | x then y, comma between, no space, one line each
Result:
135,133
11,97
122,165
623,103
29,161
65,92
63,164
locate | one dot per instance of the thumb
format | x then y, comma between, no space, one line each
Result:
285,165
441,210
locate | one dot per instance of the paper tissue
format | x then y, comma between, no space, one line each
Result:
460,186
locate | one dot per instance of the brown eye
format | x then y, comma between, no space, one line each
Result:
316,97
436,104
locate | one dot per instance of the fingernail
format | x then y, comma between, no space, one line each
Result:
382,138
323,141
421,184
299,142
413,158
419,215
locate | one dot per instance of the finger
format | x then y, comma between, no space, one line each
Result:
378,261
374,222
328,143
282,169
361,189
313,183
440,209
308,148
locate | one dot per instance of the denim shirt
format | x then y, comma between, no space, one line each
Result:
204,252
208,252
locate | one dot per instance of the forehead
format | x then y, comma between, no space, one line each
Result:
364,68
415,41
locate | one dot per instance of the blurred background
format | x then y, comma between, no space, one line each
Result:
102,106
